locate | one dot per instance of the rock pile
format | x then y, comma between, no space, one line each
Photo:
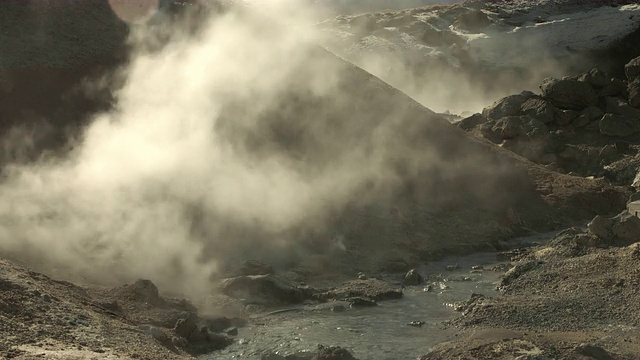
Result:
587,124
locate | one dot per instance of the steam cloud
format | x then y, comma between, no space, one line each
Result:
153,183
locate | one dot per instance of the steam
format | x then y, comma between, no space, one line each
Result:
151,186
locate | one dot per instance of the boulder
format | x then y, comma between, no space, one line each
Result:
619,125
507,106
569,94
634,93
632,69
621,230
595,77
615,87
471,122
539,109
412,278
186,325
264,289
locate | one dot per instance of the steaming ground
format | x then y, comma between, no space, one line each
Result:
245,141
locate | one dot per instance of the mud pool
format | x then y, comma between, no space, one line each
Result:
380,332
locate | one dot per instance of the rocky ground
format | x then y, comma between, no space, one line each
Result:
572,298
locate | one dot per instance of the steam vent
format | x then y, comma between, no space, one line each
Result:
320,179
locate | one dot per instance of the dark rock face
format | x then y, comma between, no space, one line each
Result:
569,94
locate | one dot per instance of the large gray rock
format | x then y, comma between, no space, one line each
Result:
619,125
569,94
507,106
632,69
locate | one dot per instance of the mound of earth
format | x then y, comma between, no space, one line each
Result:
572,298
45,318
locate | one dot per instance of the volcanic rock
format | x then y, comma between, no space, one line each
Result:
569,94
412,278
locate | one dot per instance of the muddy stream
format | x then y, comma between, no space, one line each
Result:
383,332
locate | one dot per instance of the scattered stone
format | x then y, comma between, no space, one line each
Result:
417,323
569,94
477,267
452,267
362,276
632,69
412,278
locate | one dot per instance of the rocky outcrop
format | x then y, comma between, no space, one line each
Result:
585,125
